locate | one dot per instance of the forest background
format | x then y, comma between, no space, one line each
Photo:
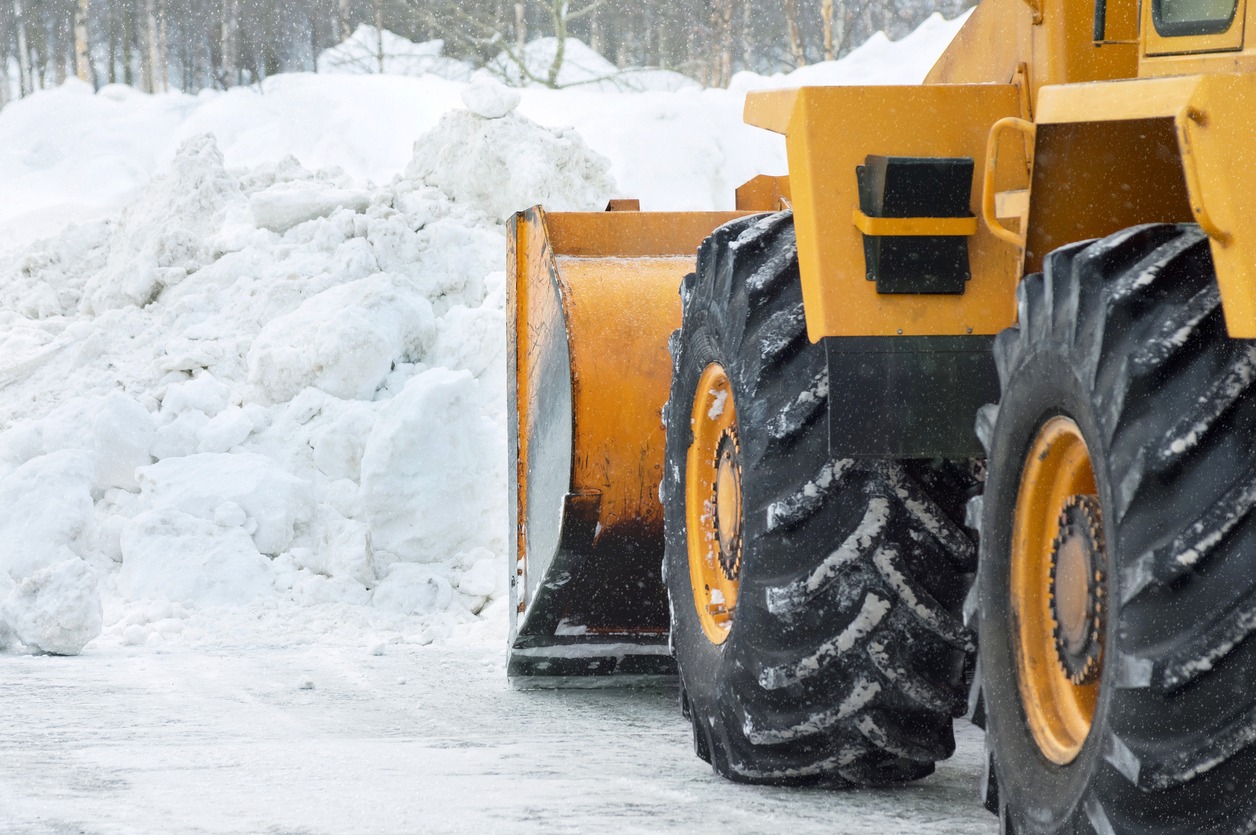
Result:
190,45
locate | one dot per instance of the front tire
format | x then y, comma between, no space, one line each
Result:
815,621
1123,340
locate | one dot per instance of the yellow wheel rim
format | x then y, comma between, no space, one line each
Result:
713,504
1057,589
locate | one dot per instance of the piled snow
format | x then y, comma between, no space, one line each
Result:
268,387
370,50
580,67
501,165
485,97
55,610
254,395
876,61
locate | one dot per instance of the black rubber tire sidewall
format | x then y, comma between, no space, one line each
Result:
701,660
1043,385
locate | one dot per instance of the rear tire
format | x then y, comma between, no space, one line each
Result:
846,655
1126,337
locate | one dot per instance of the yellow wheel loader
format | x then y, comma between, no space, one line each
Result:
954,419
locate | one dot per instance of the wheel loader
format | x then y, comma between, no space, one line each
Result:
954,419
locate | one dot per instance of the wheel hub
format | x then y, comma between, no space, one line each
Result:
726,494
1057,590
1077,610
713,508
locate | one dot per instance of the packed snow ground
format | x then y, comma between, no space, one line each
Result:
252,376
320,739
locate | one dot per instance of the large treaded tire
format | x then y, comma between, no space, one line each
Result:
1126,336
846,659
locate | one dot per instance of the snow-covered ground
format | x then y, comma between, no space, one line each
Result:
317,739
252,423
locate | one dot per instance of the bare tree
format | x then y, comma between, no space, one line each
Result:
23,50
82,53
796,46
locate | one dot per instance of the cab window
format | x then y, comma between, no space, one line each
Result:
1192,17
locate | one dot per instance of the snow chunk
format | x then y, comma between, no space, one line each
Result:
243,490
46,512
344,341
56,610
343,551
160,237
485,97
485,578
115,427
204,394
285,205
414,590
171,555
470,338
431,452
501,166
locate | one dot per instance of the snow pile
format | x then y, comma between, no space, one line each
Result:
267,388
878,60
370,50
484,97
580,67
499,165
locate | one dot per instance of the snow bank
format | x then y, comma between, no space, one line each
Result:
268,387
370,50
580,67
878,60
504,164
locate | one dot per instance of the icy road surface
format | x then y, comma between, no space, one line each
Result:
311,740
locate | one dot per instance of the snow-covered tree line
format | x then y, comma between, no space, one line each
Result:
193,44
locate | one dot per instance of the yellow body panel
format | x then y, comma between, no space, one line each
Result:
831,130
1184,146
1117,119
1055,45
1219,153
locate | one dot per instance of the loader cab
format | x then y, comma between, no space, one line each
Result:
1183,37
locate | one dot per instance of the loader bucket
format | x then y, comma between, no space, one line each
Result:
591,300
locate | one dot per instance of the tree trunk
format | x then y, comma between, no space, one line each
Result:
312,20
521,26
228,38
25,80
82,53
148,48
826,23
346,25
795,34
163,47
4,80
747,35
726,42
379,35
558,12
58,52
114,28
